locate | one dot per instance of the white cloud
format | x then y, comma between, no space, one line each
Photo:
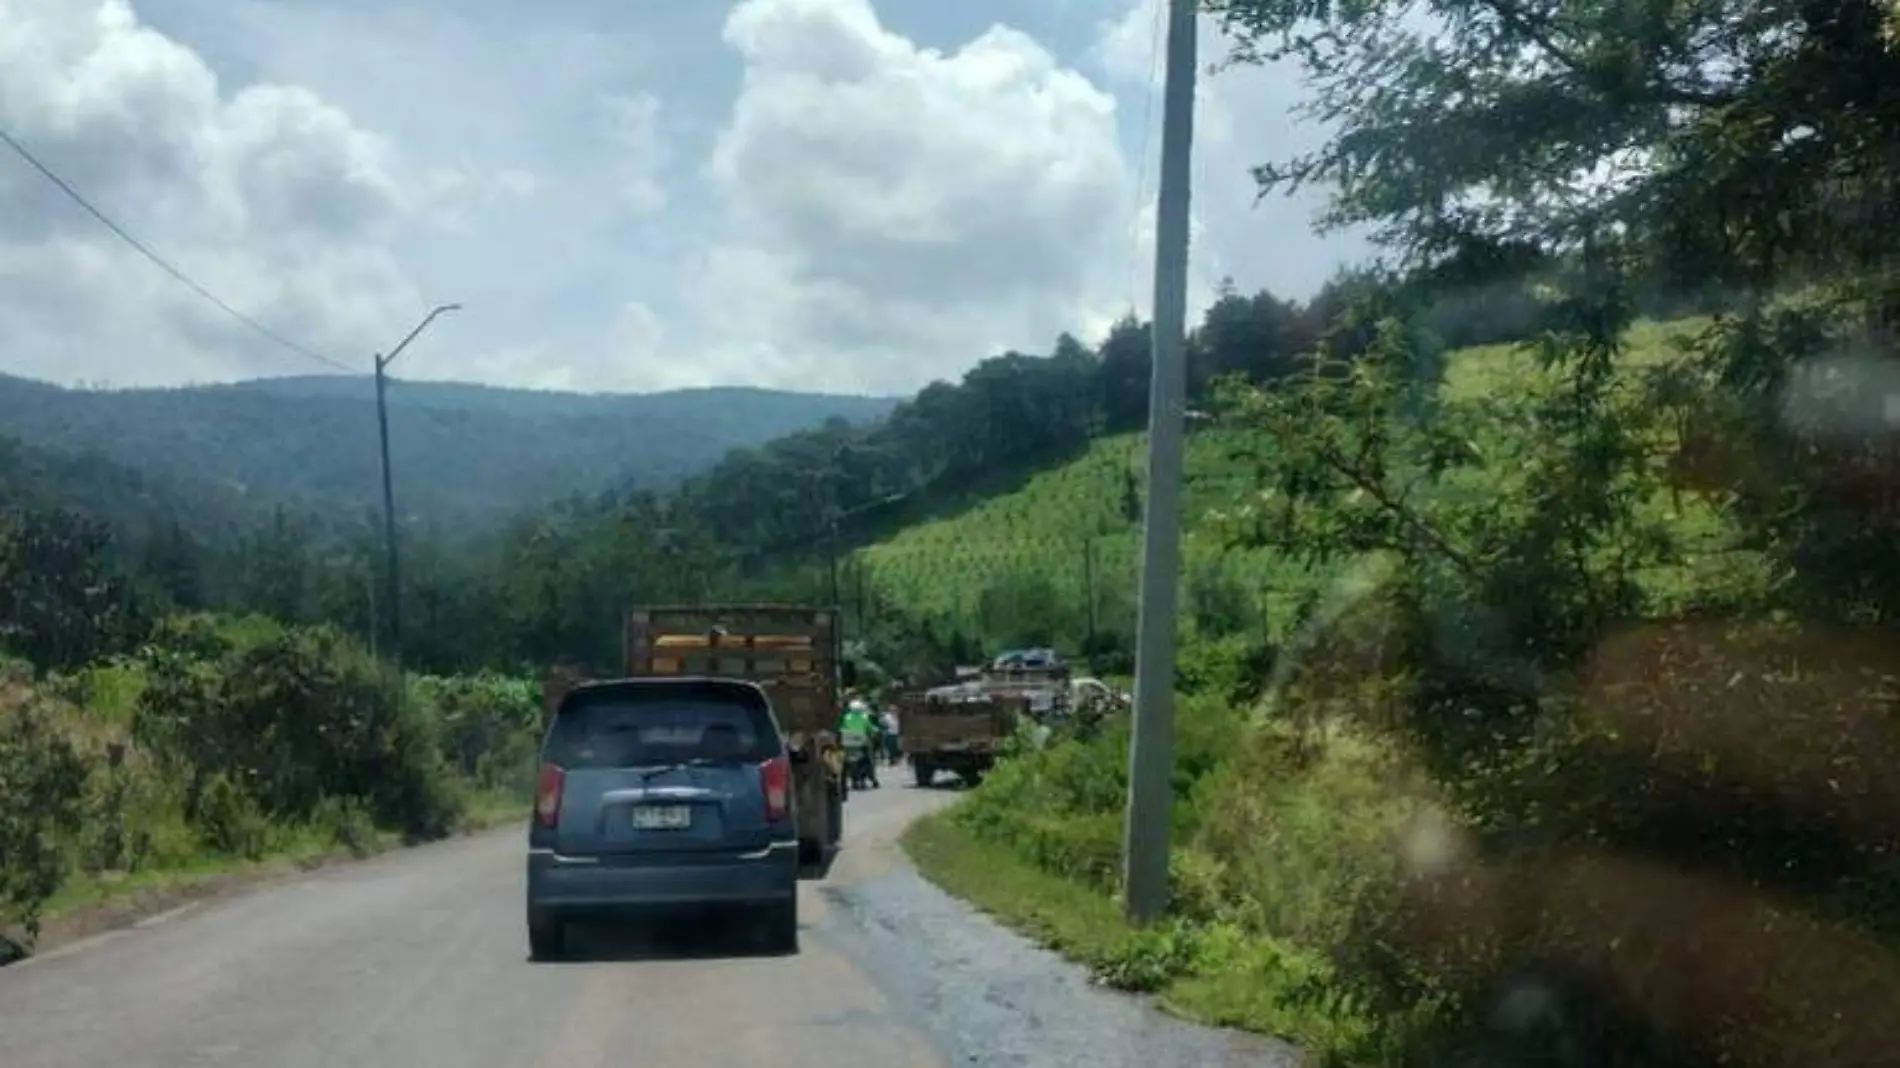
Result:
628,357
539,141
634,127
868,213
266,195
1244,116
894,213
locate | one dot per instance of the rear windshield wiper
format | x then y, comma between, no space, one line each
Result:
695,762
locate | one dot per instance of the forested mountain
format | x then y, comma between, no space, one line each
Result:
551,578
464,455
583,518
133,503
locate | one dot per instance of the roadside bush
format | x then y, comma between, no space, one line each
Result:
108,690
134,816
489,726
1061,806
42,779
1298,833
1684,843
1233,668
288,716
1220,601
240,738
230,820
348,823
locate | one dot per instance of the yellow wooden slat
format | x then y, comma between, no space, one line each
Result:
775,642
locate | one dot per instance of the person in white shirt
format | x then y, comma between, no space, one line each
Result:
892,750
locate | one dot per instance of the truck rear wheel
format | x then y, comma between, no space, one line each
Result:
923,772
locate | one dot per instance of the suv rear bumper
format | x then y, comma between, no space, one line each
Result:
649,880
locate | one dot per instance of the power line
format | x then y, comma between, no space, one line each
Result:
1141,156
143,250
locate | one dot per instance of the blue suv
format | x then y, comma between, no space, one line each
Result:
659,794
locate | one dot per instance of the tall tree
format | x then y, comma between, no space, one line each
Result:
62,601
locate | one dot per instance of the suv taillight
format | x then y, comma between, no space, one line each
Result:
547,795
775,779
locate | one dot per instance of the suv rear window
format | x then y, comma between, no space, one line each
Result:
643,726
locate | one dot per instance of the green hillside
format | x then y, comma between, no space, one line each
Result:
1584,649
1072,524
136,503
465,456
1484,369
1074,529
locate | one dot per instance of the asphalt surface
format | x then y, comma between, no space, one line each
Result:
418,960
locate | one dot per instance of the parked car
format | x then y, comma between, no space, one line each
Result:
660,794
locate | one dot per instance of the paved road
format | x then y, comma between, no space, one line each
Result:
417,960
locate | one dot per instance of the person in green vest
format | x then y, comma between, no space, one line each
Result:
858,731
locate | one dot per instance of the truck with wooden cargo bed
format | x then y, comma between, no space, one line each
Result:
963,727
960,729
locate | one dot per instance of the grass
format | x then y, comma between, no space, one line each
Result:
1483,369
137,853
1213,975
1277,848
296,848
293,848
86,904
301,848
1074,526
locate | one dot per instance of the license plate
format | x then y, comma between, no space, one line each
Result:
662,817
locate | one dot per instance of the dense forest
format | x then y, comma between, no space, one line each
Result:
466,457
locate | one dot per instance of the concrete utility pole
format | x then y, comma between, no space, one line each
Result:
389,492
1151,754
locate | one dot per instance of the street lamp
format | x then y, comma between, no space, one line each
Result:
389,493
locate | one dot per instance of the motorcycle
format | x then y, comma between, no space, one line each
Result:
860,767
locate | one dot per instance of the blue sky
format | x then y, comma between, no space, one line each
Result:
814,194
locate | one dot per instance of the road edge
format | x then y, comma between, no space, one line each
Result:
1086,927
64,931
